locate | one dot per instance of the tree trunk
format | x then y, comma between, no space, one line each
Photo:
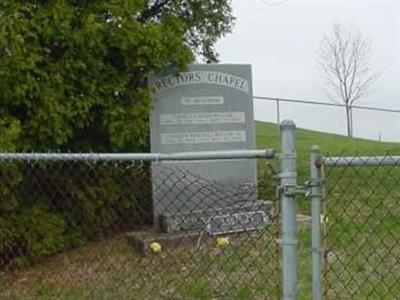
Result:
351,122
348,120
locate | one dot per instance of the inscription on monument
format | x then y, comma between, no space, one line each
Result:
203,77
203,137
202,100
202,118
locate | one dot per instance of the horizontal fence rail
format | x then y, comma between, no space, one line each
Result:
326,104
362,161
205,155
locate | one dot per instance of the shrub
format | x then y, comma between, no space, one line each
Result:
48,207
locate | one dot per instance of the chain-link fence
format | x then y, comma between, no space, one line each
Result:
84,227
142,226
362,228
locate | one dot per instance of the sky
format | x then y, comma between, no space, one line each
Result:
280,40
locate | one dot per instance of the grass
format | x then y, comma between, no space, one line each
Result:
362,239
112,270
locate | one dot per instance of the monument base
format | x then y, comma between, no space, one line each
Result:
191,228
243,216
141,240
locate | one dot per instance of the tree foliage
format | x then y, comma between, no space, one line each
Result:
73,76
73,72
344,57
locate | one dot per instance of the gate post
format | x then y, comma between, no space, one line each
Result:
288,201
316,194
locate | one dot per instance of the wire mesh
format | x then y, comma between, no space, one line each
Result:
362,229
66,232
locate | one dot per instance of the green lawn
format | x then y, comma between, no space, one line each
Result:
362,236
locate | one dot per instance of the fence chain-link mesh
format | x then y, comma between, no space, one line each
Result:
362,230
85,230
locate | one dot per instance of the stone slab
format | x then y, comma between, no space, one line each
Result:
141,240
238,222
200,219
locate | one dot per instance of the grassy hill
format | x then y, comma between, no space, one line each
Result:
335,144
330,144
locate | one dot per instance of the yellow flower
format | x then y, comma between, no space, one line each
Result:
223,241
155,247
324,219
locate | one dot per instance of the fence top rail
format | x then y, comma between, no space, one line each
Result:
327,104
204,155
362,161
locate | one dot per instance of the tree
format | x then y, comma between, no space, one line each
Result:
344,57
73,75
74,72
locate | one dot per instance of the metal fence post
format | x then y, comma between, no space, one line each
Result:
316,194
288,198
278,115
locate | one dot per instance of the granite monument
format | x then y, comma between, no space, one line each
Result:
209,107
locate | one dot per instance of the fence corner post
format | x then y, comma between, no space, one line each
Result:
288,185
315,195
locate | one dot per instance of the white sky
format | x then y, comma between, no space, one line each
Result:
280,39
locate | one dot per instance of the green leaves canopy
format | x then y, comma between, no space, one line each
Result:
73,73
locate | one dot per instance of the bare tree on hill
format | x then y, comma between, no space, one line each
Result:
344,57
